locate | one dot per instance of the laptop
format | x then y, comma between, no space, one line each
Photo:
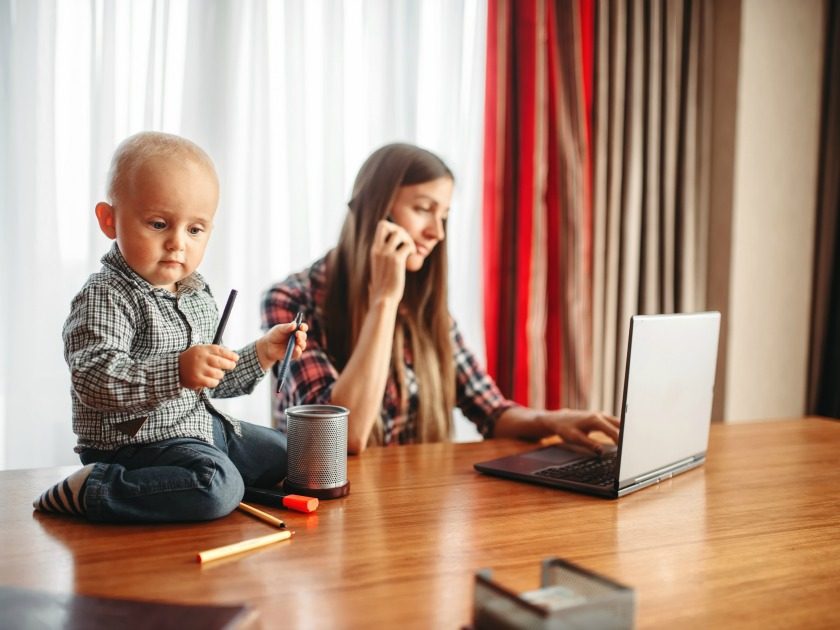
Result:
665,414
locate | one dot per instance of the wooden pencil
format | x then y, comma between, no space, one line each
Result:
263,516
242,546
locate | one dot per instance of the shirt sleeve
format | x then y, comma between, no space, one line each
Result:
477,394
280,305
244,377
97,345
310,379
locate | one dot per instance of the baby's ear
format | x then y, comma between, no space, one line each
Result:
105,216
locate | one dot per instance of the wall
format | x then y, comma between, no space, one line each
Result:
768,71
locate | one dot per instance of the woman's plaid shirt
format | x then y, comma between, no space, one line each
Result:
122,341
311,378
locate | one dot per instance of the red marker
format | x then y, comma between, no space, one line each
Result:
277,498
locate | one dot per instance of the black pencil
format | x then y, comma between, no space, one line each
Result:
284,366
217,339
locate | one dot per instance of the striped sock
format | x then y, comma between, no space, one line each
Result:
66,497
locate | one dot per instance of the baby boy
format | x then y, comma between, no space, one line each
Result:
142,365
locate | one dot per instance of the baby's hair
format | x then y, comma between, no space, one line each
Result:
146,145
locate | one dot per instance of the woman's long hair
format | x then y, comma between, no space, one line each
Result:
423,320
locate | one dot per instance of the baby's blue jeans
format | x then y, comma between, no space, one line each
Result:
183,479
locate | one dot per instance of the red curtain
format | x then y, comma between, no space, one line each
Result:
538,200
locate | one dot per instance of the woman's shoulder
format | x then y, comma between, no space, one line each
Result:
299,291
308,280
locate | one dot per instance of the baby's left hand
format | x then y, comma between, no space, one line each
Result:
271,347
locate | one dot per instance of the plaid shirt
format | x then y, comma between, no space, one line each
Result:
122,341
311,378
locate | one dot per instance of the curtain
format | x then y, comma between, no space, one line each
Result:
595,186
824,374
287,97
652,129
537,201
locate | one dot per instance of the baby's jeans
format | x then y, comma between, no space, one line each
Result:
183,479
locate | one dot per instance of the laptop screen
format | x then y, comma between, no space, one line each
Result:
668,391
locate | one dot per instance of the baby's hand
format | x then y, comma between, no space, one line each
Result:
205,366
271,347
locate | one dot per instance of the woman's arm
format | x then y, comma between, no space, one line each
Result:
572,425
361,385
494,415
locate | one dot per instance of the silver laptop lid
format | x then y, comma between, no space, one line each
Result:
668,391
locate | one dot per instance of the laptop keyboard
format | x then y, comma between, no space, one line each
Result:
598,471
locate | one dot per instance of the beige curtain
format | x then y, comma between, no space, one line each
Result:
651,172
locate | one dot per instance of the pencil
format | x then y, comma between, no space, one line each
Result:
217,338
284,365
242,546
263,516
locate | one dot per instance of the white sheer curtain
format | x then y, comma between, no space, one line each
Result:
287,97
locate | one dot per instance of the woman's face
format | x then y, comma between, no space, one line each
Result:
421,209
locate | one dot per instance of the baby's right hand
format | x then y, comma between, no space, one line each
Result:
205,366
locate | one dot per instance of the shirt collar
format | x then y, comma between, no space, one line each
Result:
115,260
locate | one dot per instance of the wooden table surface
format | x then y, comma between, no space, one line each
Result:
751,539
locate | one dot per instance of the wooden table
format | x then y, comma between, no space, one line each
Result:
751,539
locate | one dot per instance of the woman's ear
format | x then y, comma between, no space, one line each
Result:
105,216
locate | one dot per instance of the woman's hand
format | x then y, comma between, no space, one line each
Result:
205,366
573,425
392,245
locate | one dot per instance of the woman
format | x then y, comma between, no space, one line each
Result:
381,341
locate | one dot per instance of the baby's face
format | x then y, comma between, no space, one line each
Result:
164,217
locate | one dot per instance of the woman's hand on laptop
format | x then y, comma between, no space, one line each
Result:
572,425
575,425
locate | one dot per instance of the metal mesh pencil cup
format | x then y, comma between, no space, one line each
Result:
317,451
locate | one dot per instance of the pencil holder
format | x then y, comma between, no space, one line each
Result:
317,446
569,597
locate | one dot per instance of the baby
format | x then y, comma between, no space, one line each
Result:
143,369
